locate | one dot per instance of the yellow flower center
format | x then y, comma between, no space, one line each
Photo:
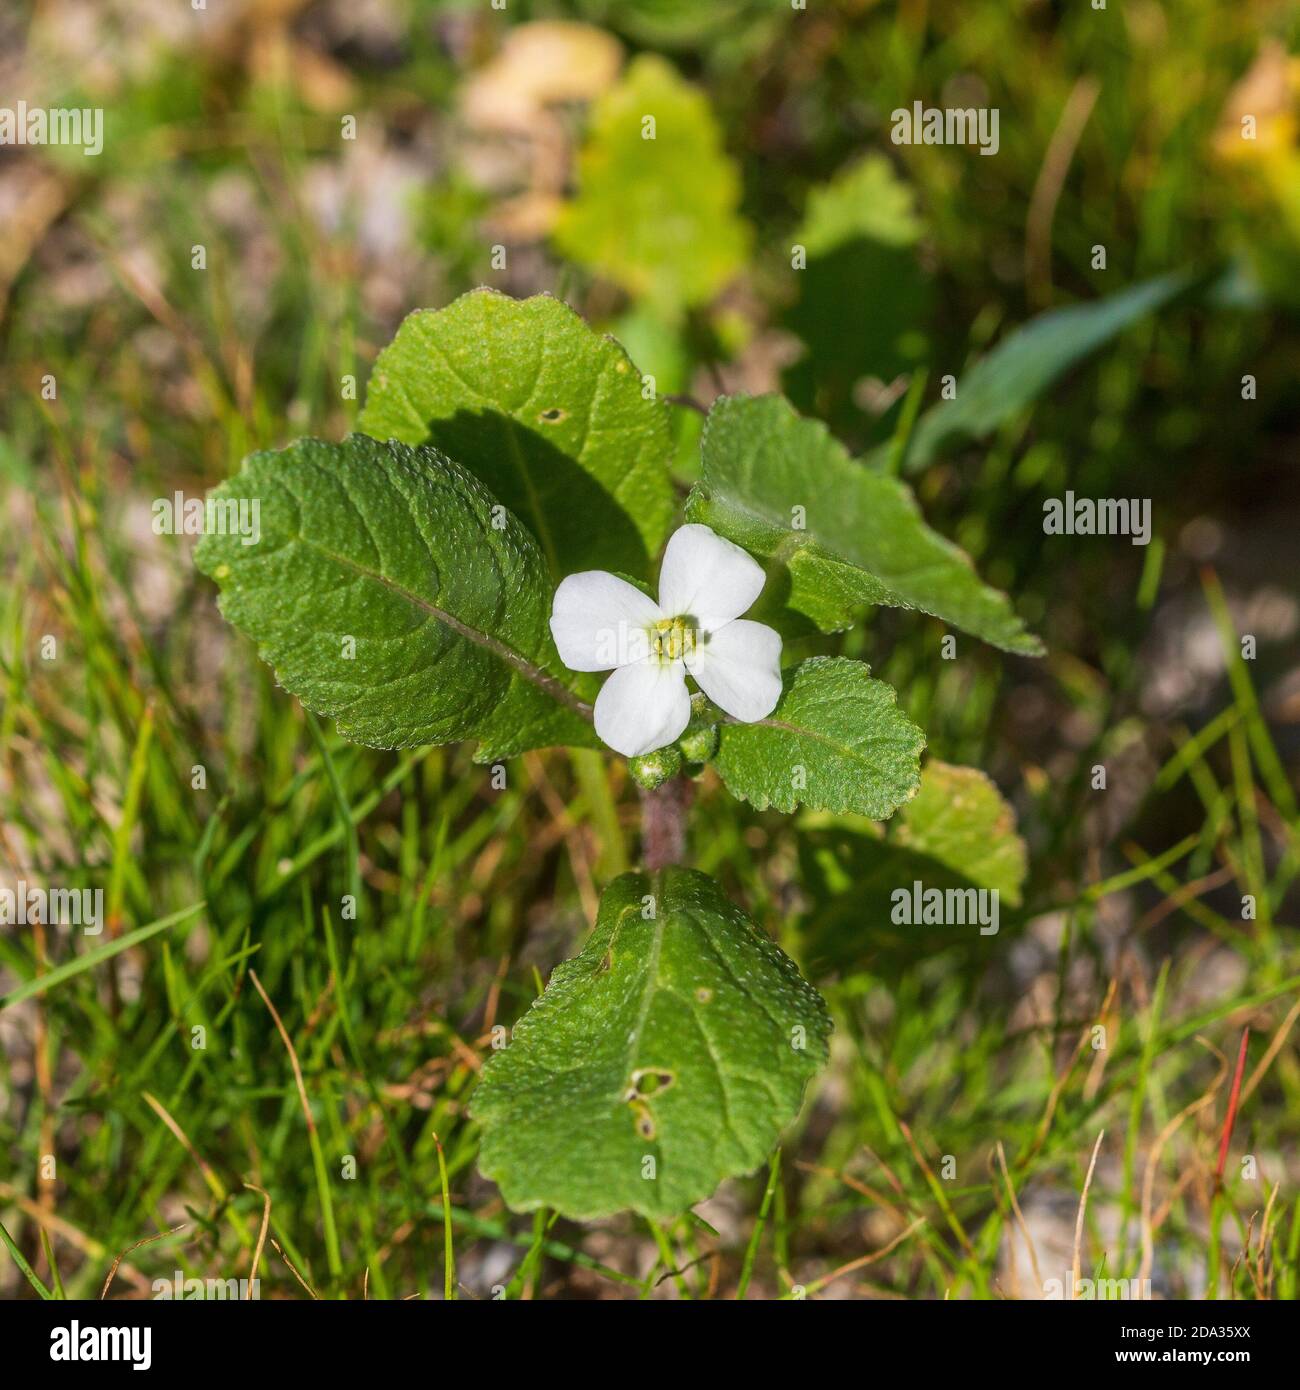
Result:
673,639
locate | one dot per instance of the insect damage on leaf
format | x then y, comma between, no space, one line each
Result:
547,413
667,1056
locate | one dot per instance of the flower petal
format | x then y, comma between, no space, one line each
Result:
643,707
599,621
739,669
707,577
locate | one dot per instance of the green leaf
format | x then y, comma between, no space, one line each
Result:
851,873
25,1269
1028,361
547,413
686,1039
956,834
666,23
959,819
862,540
656,216
849,878
836,741
443,593
863,296
868,199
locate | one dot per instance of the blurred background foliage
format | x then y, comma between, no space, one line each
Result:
342,162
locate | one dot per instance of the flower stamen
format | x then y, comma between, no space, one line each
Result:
673,639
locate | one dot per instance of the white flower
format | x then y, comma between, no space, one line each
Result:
602,623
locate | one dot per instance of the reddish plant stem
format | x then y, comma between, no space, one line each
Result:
663,824
1231,1117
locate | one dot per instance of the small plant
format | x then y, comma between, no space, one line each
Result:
466,567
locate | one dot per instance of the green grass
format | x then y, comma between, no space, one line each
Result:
239,1028
389,1015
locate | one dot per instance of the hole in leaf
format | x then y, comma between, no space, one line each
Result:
553,416
649,1080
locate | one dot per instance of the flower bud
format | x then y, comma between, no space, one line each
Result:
700,743
652,770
